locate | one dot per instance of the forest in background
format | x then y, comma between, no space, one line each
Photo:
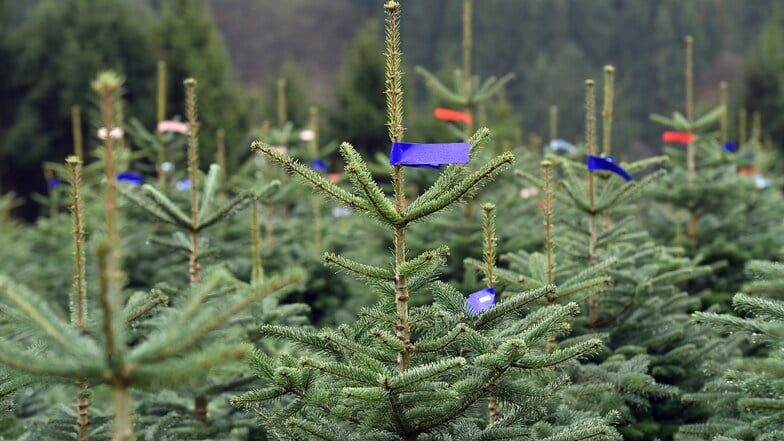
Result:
330,52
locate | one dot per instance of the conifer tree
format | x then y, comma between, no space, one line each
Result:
632,287
716,201
177,342
468,91
748,393
415,373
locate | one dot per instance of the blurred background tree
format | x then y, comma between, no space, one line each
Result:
53,54
192,46
765,77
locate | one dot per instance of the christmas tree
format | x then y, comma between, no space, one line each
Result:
418,372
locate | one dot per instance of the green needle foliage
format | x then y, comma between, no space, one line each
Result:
715,203
416,373
180,329
747,394
632,289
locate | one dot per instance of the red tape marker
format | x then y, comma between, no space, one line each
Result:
453,115
679,137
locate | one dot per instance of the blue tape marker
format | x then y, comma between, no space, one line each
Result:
183,185
53,182
319,165
131,178
480,300
429,155
596,163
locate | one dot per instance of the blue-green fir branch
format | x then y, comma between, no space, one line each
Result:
133,195
460,191
387,340
343,370
596,270
681,275
709,118
211,183
350,348
141,304
594,429
360,177
257,395
539,361
450,173
491,87
529,391
642,164
440,89
728,324
61,365
311,430
372,394
37,312
192,330
208,287
529,179
302,338
759,306
176,370
431,396
441,342
174,243
628,191
418,374
507,353
313,178
167,206
362,270
237,203
584,288
575,190
545,321
427,261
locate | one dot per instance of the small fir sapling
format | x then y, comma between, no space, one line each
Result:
731,217
468,91
414,373
632,288
202,216
166,145
112,350
747,393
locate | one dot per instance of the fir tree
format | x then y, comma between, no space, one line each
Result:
747,394
631,286
468,91
415,373
177,342
716,201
